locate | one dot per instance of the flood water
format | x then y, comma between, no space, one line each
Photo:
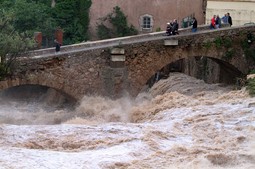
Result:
179,123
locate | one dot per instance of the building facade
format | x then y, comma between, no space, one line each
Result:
149,15
241,11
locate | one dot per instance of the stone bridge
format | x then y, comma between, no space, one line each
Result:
109,67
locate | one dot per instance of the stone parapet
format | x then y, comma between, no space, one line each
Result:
113,42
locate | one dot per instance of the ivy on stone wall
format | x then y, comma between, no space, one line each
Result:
249,50
207,45
229,54
223,42
218,42
226,43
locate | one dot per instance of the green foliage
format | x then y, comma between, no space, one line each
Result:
103,32
3,71
252,71
29,16
84,16
158,29
248,50
223,42
250,53
207,44
229,54
218,42
72,16
119,27
227,43
244,44
12,43
251,86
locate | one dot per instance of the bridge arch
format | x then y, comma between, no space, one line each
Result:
155,63
38,92
209,69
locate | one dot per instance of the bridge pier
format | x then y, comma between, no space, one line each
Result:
115,76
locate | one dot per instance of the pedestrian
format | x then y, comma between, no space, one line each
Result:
229,19
168,29
218,22
194,25
175,27
57,45
225,19
212,25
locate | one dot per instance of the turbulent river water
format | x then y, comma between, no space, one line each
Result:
180,122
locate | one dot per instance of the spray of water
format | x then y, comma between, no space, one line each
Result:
180,122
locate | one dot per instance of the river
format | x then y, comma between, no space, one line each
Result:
181,122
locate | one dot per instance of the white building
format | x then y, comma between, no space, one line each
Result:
241,11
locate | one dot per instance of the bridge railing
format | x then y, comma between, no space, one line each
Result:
111,42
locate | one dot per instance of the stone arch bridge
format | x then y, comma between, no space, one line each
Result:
109,67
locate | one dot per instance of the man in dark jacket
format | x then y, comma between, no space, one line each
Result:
194,25
57,45
175,27
229,19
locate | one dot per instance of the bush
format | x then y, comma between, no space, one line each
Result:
251,86
119,27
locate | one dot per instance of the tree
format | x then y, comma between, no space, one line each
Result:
45,16
33,17
73,18
119,23
12,43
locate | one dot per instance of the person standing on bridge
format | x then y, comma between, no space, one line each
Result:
212,26
225,19
194,25
169,29
229,19
57,45
218,22
175,27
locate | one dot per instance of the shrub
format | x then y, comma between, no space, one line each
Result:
119,27
251,86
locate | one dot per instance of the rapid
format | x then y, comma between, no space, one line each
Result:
181,122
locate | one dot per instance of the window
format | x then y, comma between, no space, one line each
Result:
146,23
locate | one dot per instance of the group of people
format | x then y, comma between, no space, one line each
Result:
172,28
216,21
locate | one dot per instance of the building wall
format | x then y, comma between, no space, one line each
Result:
241,11
162,11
